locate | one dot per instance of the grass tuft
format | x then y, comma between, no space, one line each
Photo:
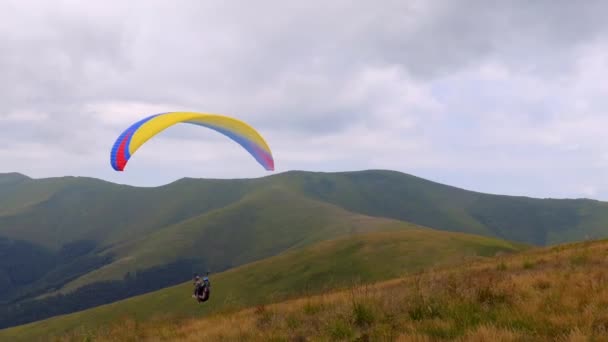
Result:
502,266
527,265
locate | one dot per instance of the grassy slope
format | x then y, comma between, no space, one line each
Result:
329,264
58,210
260,225
551,294
391,194
219,220
54,211
18,192
409,198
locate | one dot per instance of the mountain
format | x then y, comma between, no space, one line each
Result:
62,235
332,264
53,211
412,199
12,178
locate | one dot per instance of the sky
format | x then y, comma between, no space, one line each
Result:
505,97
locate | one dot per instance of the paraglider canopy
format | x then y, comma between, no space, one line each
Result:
140,132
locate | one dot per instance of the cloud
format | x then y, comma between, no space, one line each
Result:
496,96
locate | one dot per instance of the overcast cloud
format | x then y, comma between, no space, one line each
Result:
495,96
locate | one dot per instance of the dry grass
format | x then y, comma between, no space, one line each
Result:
557,294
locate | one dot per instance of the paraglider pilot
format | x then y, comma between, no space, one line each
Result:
202,288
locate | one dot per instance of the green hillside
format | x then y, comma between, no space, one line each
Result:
60,234
258,226
7,179
325,265
54,211
404,197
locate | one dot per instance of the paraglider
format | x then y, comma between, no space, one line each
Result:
240,132
202,288
140,132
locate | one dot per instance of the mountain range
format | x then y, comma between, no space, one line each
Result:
78,242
